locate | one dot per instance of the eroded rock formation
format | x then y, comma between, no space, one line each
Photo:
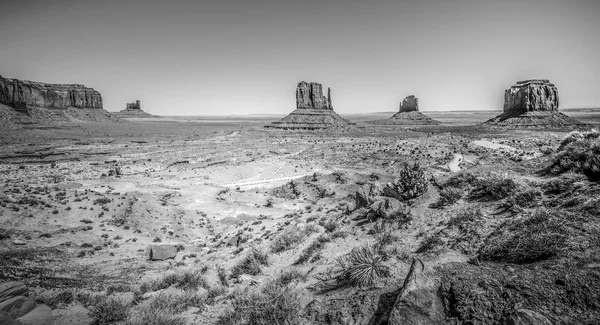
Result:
532,104
409,104
408,114
309,95
137,106
313,110
24,94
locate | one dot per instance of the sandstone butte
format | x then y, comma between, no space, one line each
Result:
133,110
408,114
531,104
313,110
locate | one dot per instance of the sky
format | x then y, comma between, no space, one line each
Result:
238,57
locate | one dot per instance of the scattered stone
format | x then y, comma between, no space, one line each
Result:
525,317
313,110
161,252
532,104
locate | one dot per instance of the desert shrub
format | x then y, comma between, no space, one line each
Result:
146,316
581,157
576,136
164,307
251,264
222,275
429,244
286,277
465,216
460,180
448,196
108,311
492,187
538,236
522,200
565,183
186,280
271,304
330,225
361,267
216,291
411,183
339,234
102,200
289,239
386,237
52,298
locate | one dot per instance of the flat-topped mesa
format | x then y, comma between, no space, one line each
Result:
137,106
410,104
535,95
532,104
309,95
24,95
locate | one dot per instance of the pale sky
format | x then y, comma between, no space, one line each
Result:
246,56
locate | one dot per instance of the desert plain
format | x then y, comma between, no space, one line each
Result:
267,224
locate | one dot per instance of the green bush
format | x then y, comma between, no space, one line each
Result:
410,184
289,239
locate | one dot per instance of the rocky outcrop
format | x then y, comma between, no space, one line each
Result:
309,95
17,307
137,106
409,104
408,114
23,95
161,252
313,110
133,110
532,104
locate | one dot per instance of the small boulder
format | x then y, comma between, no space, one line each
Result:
41,315
161,252
19,242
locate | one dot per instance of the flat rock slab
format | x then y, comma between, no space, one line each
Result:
12,289
161,252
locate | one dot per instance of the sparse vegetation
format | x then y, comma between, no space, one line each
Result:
108,311
492,187
578,154
186,280
411,183
251,264
361,267
538,236
288,239
448,196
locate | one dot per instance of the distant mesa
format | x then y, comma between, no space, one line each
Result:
313,110
48,103
408,114
532,104
133,110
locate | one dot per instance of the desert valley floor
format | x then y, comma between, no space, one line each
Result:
247,207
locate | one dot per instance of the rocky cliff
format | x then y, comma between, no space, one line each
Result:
136,106
409,104
309,95
23,95
133,110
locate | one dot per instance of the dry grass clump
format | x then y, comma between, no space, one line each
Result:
330,225
538,236
429,244
460,180
163,309
493,187
274,303
288,276
287,240
464,217
186,280
410,184
314,248
251,264
361,267
526,199
578,154
448,196
108,311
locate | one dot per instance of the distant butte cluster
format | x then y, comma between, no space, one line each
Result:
532,103
313,110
